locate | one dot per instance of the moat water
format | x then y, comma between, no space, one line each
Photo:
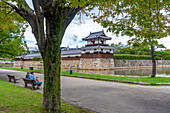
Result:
161,72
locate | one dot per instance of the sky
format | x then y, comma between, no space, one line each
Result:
75,32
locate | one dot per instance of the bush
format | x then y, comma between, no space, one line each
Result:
157,58
37,59
166,57
132,57
138,57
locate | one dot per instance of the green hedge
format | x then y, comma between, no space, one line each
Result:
138,57
37,59
132,57
166,57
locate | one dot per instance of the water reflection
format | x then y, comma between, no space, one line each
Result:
161,71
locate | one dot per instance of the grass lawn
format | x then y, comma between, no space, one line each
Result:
19,69
19,100
144,79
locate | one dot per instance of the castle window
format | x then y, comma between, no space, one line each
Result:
76,56
101,49
68,57
95,49
102,41
110,50
92,42
84,50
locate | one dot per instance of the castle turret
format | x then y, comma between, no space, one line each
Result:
96,44
97,54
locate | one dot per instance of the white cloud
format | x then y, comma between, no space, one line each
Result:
165,41
84,30
29,36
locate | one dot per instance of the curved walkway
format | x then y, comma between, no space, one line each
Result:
108,97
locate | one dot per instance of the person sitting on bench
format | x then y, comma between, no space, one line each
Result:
38,82
27,76
33,78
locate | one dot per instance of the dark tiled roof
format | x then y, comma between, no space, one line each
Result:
103,47
69,52
30,56
96,35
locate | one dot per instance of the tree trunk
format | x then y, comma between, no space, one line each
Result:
51,59
153,62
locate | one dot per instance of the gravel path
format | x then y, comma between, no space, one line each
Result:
107,97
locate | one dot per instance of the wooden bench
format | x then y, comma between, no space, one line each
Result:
28,81
12,77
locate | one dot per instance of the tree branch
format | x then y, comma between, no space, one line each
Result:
68,16
40,24
4,7
29,16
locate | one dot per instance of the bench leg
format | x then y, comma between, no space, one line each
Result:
9,79
25,84
33,86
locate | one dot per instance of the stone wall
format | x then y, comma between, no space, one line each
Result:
39,64
18,64
70,63
27,64
34,64
139,63
96,63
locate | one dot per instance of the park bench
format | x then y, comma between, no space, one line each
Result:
28,81
11,77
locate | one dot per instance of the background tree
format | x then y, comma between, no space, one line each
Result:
12,28
144,20
49,20
133,50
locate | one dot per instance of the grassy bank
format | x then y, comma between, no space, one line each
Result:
19,100
143,79
19,69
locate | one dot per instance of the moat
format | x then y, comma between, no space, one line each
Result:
161,72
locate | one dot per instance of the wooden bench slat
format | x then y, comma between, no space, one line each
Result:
12,77
28,81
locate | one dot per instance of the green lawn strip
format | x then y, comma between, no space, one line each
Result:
143,79
123,78
19,100
19,69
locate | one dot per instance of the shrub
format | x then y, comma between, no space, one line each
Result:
166,57
132,57
157,58
37,59
138,57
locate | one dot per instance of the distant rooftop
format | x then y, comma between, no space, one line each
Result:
99,34
66,52
72,51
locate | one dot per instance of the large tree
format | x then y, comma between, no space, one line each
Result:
144,20
49,20
12,28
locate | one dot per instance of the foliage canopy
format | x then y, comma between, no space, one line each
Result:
12,28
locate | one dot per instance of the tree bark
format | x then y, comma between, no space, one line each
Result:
153,62
57,19
51,58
